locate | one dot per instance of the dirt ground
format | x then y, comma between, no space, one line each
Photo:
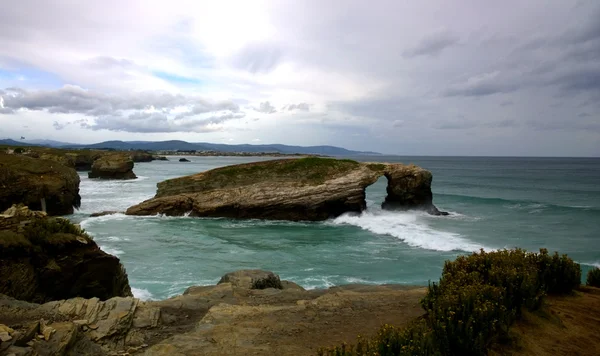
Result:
567,325
298,328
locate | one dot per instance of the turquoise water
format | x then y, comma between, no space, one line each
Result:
495,203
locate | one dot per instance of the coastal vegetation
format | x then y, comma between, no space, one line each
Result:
593,278
474,304
309,170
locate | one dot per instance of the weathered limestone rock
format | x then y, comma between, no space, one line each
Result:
44,259
39,184
225,319
115,166
289,189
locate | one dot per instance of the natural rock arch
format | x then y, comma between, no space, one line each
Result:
290,189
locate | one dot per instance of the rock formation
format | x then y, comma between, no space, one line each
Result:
114,166
289,189
38,183
224,319
80,160
184,160
409,187
44,259
159,158
141,156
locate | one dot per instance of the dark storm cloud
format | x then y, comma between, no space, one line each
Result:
433,44
567,62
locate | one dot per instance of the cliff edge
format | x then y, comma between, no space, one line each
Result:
44,259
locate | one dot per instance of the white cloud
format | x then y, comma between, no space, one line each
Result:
151,69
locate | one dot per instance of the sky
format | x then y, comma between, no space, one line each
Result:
438,77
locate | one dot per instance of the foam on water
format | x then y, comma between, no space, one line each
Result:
111,251
410,228
141,293
592,264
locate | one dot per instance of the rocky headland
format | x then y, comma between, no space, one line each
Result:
44,258
40,184
113,166
289,189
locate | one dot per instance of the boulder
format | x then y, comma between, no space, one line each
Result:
184,160
114,166
160,158
39,184
44,259
289,189
252,279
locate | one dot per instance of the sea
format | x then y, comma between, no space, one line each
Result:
494,203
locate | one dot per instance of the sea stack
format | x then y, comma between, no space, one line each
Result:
115,166
309,188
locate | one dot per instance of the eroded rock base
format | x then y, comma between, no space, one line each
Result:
225,319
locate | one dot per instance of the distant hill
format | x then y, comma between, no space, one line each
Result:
205,146
175,145
9,142
50,143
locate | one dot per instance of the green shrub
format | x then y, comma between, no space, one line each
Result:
476,300
19,150
558,274
10,239
416,339
593,277
40,231
272,281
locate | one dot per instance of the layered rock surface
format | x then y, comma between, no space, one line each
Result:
289,189
44,259
113,166
38,183
226,319
80,160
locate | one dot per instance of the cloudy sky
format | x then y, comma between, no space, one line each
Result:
464,77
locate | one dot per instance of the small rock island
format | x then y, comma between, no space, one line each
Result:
308,188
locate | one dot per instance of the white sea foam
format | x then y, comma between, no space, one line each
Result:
592,264
141,293
86,222
315,282
411,228
112,251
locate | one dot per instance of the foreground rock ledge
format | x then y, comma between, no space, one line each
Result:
231,318
289,189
